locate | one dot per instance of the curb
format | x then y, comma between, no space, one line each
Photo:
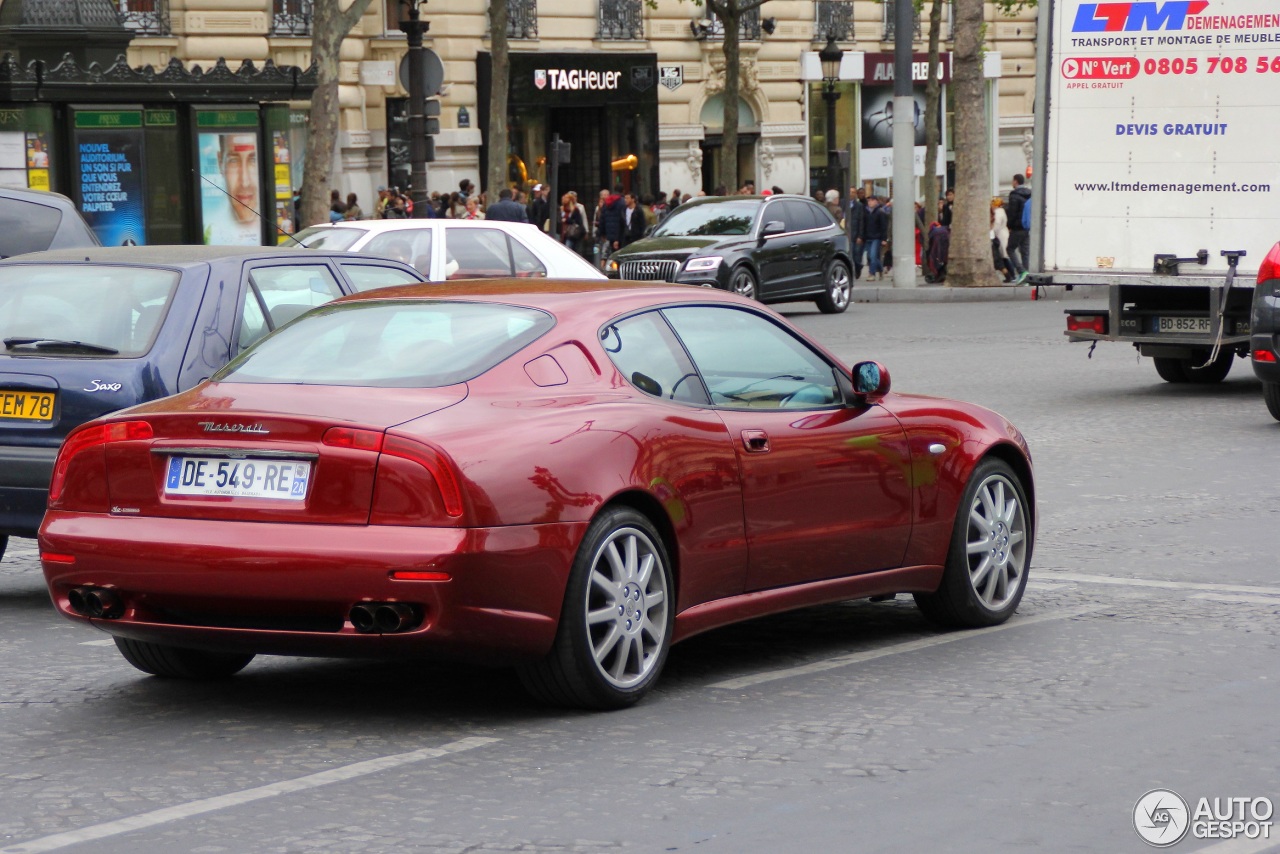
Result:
944,293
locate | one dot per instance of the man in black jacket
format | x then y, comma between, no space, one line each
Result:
540,206
855,215
505,210
1019,237
633,221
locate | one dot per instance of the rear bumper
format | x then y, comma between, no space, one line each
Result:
1268,372
287,589
24,488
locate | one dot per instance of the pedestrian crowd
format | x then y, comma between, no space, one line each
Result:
619,218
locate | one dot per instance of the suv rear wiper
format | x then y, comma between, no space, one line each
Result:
58,344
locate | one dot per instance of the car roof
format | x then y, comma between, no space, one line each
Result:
555,295
175,256
44,197
410,224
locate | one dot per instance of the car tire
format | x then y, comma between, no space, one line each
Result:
743,283
838,289
1270,394
1170,369
990,554
1214,372
616,623
4,544
172,662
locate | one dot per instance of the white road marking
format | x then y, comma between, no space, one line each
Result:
235,799
1231,597
894,649
1162,585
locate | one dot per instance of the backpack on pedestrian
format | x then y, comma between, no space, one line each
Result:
1026,215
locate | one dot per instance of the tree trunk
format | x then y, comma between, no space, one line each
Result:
932,91
496,171
731,17
969,260
329,26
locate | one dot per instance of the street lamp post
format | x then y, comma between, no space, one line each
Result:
414,28
830,57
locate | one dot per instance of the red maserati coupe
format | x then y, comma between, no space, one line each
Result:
562,476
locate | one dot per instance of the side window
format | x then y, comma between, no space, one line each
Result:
291,290
26,226
649,356
476,253
820,216
750,362
795,216
366,277
527,264
407,246
253,323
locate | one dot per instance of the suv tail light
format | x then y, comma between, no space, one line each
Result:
81,463
1087,323
1270,267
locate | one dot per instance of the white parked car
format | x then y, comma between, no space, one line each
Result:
444,249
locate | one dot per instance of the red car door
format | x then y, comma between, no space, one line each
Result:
825,485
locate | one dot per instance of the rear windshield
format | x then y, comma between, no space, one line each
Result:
61,305
390,344
335,239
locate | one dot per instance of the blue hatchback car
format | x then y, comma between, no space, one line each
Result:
90,331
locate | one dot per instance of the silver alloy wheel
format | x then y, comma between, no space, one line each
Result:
744,284
626,607
838,286
997,542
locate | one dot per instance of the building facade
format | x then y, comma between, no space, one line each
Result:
638,92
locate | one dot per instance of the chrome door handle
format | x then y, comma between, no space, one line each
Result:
755,441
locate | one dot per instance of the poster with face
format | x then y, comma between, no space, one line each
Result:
230,195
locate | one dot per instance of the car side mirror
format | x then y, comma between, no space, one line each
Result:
870,380
773,227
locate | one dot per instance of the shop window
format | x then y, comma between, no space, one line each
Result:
621,20
291,18
145,17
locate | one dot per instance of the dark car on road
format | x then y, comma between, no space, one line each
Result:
33,221
1264,330
86,332
769,248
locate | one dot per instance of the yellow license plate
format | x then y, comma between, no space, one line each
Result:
27,405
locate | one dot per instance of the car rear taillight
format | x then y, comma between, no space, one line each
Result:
1264,356
1270,267
1087,323
352,437
80,460
416,485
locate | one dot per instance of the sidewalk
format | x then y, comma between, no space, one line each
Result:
884,291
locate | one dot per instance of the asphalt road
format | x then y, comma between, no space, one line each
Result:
1144,656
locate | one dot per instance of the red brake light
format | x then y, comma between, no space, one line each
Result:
435,463
1264,356
91,437
418,575
1270,267
351,437
1087,323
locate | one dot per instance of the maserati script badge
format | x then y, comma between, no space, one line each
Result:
215,427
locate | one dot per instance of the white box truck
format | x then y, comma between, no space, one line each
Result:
1157,171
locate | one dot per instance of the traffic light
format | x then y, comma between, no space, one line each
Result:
431,121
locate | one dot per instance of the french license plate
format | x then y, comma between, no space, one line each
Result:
27,405
1184,324
283,480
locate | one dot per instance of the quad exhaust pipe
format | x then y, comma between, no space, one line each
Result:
385,618
98,602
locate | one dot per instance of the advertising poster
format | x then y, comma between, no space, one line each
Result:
107,174
875,161
37,161
1160,121
230,191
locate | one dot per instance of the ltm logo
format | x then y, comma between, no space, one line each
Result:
1135,17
